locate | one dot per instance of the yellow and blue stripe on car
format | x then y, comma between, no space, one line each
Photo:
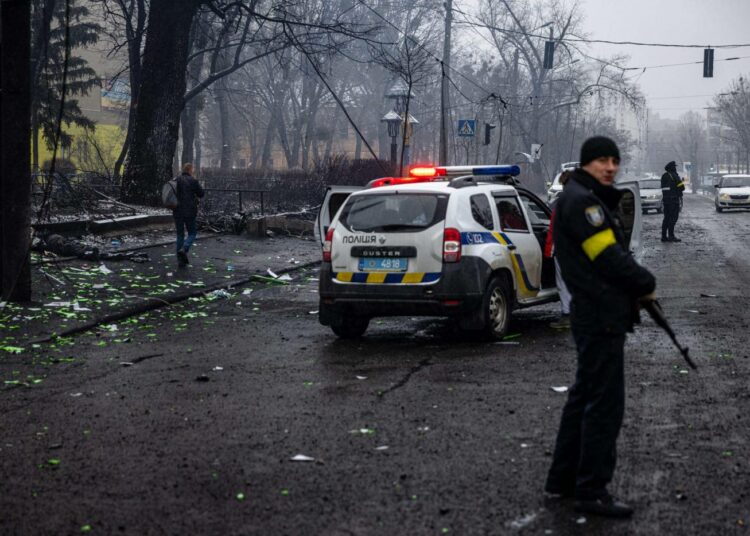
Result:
484,237
403,278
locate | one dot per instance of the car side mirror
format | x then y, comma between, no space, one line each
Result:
716,185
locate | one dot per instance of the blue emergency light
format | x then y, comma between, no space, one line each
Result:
496,170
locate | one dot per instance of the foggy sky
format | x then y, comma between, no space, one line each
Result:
704,22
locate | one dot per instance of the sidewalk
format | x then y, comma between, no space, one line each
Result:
73,294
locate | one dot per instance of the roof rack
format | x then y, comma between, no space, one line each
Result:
463,182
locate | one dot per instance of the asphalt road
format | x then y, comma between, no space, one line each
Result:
188,424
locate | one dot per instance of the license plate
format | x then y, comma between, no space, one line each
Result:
377,264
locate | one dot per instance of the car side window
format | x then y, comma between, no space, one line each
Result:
537,214
511,215
481,211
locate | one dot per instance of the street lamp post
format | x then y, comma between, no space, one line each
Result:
393,120
401,96
409,126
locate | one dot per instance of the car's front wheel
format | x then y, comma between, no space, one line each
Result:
351,327
497,307
719,209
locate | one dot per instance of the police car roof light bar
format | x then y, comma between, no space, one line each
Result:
496,170
395,181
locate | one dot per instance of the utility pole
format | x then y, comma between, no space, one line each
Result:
15,150
444,66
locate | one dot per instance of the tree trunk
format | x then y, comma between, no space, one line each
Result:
15,139
160,99
222,99
197,143
34,144
190,113
135,39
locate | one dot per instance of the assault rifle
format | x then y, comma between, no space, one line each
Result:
657,313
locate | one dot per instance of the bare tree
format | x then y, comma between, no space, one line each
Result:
543,104
125,22
691,141
734,107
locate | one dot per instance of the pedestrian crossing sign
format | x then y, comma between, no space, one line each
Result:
467,127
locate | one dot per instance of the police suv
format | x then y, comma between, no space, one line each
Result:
459,241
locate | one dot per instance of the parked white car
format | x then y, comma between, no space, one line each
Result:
732,191
651,195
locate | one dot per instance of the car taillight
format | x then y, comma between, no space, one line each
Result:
451,245
327,245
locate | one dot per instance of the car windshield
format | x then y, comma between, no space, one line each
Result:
650,185
393,212
735,182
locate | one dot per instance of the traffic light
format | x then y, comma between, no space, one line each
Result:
708,63
549,54
487,132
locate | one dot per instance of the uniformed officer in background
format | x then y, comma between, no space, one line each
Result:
606,284
671,190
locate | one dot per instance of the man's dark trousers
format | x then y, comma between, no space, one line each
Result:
182,224
585,451
671,213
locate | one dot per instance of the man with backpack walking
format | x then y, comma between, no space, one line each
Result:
187,190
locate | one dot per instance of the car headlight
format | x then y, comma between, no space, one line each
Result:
724,197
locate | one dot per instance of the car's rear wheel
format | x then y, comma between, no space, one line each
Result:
497,307
351,327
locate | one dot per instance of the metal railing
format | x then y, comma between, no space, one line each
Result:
241,191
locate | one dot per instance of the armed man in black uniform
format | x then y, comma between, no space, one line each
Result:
606,284
671,190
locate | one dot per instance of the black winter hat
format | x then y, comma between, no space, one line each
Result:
672,166
597,147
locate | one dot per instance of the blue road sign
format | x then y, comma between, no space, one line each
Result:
467,127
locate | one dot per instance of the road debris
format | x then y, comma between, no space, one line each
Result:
523,521
560,389
302,458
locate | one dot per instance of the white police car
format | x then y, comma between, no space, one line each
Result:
468,247
732,191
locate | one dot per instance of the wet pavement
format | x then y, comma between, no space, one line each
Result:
205,420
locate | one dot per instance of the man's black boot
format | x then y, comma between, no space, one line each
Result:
674,239
606,506
665,239
182,258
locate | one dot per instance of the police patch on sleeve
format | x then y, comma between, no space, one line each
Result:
595,215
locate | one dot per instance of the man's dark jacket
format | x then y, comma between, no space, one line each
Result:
672,187
596,265
188,192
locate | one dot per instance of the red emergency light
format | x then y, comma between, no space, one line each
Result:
427,172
